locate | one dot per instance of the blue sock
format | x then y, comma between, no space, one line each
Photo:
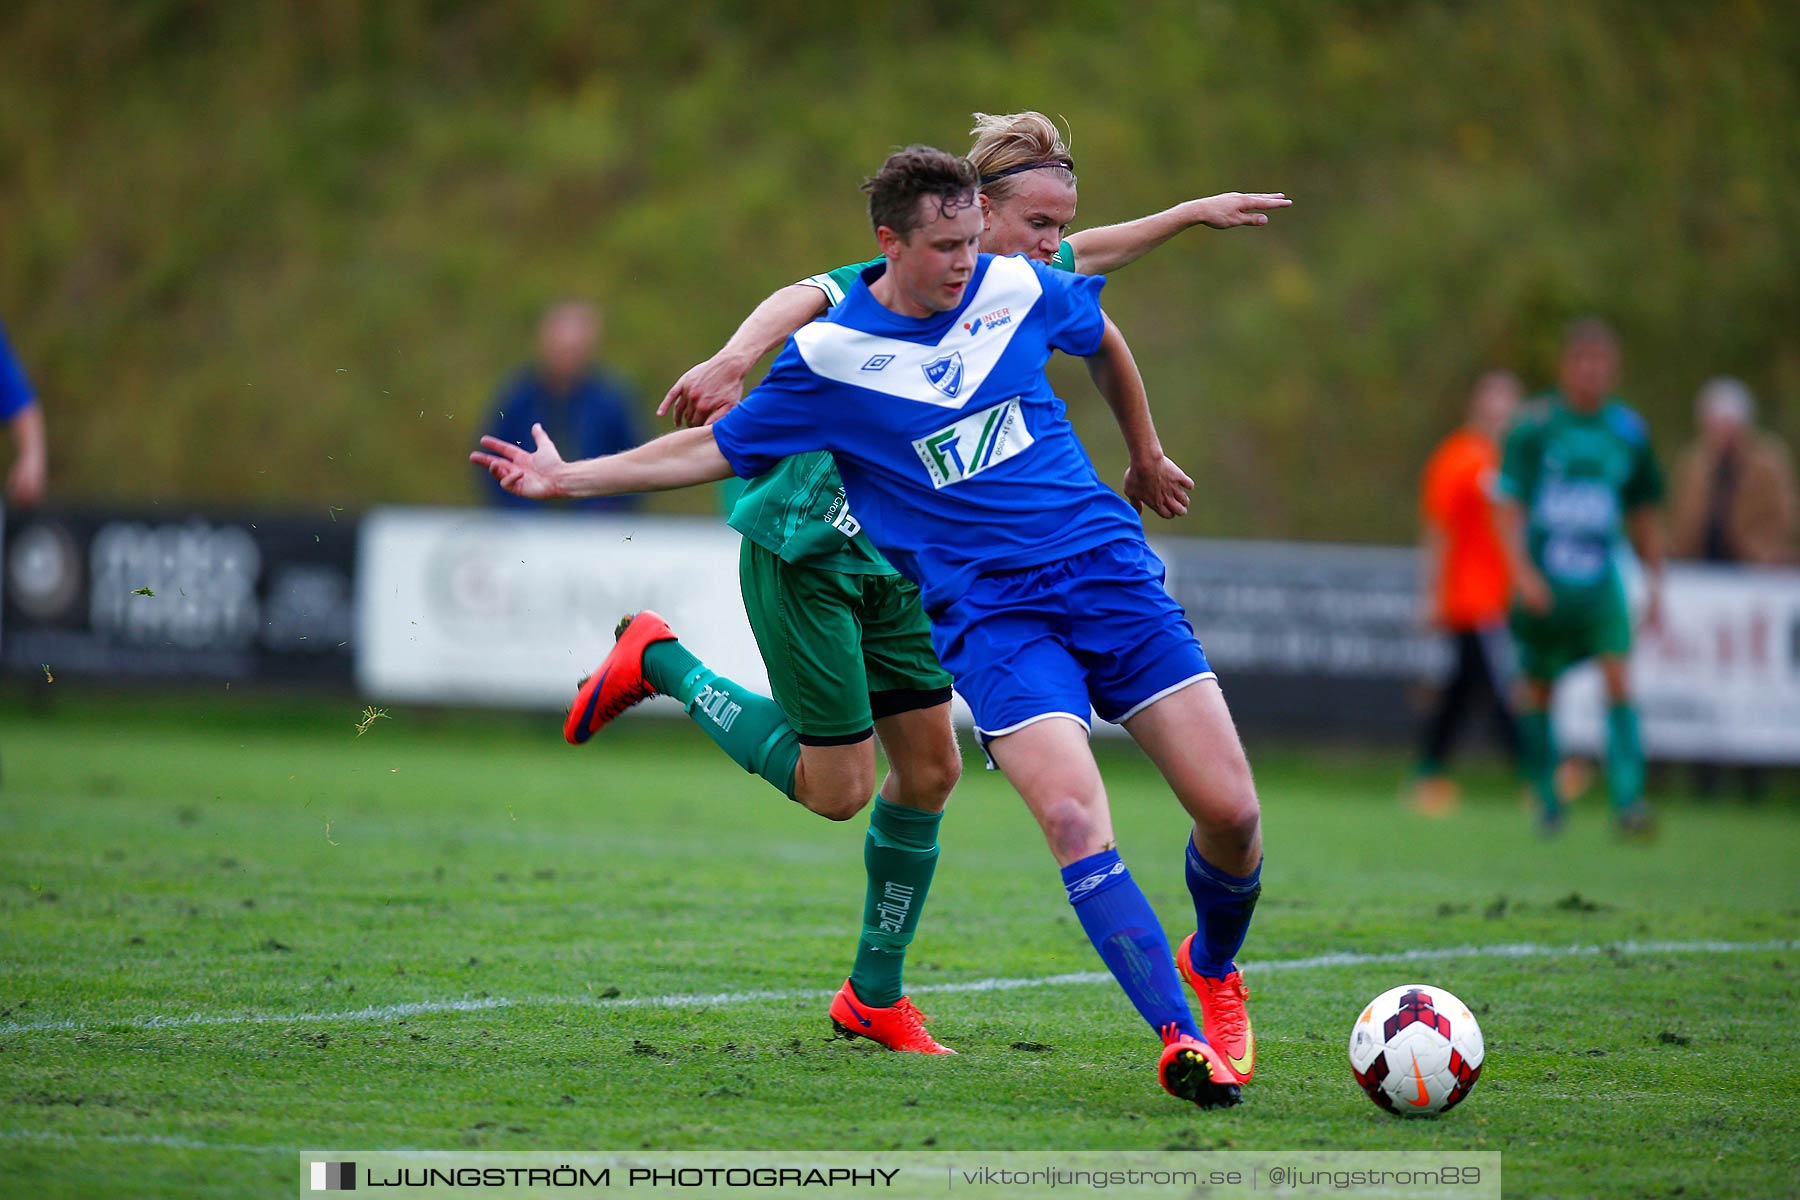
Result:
1222,907
1124,929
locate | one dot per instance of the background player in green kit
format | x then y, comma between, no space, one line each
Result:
1579,475
843,636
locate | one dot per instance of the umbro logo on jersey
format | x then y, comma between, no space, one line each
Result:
878,363
945,373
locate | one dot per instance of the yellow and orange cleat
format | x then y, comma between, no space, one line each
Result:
1193,1070
1224,1019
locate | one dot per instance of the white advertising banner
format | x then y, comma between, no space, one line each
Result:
1718,681
459,605
470,606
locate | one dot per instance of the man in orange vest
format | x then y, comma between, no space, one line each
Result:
1467,581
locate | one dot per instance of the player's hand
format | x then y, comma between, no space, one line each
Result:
27,481
533,474
1160,485
704,393
1534,593
1653,608
1236,208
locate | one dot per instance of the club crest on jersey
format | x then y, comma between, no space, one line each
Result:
945,373
975,443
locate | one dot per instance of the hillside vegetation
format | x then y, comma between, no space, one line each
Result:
281,254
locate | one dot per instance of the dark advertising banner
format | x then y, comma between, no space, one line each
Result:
1309,639
150,596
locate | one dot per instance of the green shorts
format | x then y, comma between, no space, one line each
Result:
842,650
1570,634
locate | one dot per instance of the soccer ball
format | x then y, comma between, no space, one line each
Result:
1416,1050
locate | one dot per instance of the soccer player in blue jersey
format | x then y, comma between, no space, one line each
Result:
927,386
844,636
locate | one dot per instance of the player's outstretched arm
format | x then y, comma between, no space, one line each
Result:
1152,478
675,460
1105,249
707,391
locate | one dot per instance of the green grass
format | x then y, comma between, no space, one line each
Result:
175,863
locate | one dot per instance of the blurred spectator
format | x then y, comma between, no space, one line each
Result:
1735,500
585,410
19,408
1467,583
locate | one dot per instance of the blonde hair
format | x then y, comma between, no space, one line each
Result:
1008,143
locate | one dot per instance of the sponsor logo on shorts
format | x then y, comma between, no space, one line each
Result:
973,444
839,518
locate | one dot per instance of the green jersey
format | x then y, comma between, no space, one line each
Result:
798,510
1577,476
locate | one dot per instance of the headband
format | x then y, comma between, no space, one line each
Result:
1066,163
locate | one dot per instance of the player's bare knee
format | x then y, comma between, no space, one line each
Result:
1071,828
1232,816
835,805
942,775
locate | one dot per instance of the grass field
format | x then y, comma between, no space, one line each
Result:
213,922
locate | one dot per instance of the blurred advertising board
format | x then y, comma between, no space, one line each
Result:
172,595
1718,680
1325,640
434,605
1308,639
507,608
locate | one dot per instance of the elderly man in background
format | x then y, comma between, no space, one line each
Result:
1735,503
567,393
1735,500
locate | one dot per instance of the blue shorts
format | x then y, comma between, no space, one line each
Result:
1093,632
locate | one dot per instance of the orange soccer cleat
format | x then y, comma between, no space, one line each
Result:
619,682
1193,1070
1223,1018
901,1027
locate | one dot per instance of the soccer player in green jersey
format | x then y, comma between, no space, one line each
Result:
1577,478
844,637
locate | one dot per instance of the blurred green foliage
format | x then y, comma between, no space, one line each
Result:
282,253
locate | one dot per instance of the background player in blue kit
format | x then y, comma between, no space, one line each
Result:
927,386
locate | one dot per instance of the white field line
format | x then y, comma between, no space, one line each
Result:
136,1139
396,1012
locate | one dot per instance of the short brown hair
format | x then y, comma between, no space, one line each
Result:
917,171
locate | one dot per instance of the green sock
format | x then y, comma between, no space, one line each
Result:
749,727
1537,758
900,853
1624,757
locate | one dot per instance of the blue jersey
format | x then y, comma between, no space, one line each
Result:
956,456
15,393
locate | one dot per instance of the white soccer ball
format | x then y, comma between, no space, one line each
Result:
1416,1050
